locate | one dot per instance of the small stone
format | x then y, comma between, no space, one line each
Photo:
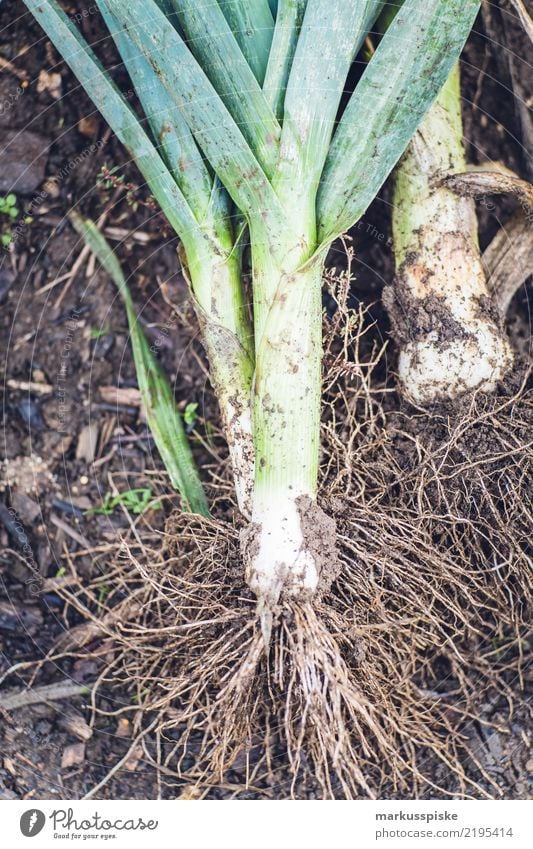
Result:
81,501
89,126
50,82
30,413
44,557
84,670
529,765
28,509
38,375
127,396
123,727
87,441
20,619
73,755
74,723
7,278
102,346
190,794
133,761
52,189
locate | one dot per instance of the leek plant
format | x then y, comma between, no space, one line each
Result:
245,138
450,334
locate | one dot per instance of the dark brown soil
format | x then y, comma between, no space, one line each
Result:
72,342
66,441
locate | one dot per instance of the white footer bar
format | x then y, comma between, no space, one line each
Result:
256,825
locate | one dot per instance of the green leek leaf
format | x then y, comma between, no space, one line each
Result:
252,25
287,29
405,74
116,111
169,128
330,36
212,125
212,43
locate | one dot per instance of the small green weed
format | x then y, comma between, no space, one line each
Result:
190,416
9,210
134,500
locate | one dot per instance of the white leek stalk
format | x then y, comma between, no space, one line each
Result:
451,340
284,545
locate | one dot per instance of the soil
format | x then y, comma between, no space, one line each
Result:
72,427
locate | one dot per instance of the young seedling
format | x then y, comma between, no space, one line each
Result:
136,501
190,414
9,211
